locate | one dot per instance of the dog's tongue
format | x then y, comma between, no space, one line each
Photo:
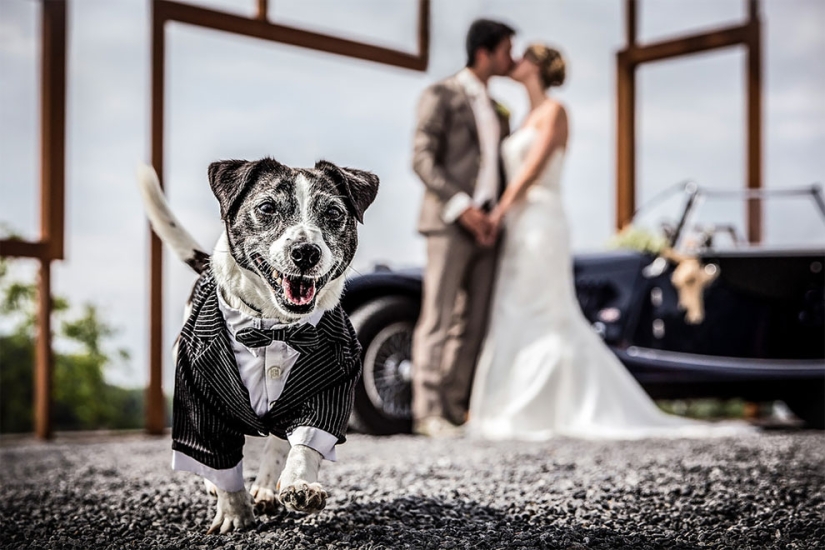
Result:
299,291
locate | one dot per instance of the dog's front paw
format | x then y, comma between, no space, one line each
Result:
266,498
234,512
304,497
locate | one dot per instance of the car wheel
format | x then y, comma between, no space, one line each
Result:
383,396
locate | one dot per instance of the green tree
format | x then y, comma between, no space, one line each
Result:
82,398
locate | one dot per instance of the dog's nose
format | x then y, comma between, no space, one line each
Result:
305,255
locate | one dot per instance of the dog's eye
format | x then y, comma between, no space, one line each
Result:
334,213
266,208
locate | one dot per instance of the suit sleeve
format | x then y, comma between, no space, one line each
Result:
430,141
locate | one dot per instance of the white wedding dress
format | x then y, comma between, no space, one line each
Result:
543,371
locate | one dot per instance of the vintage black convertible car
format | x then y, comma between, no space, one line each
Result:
761,337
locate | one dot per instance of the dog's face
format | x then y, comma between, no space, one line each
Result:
293,228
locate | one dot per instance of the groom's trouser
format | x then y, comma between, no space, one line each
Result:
458,283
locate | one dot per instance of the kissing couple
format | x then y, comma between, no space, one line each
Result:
501,349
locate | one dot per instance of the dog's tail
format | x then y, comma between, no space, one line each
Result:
164,223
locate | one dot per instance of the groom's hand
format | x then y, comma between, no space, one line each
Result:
477,223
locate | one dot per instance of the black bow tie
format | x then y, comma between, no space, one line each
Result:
301,336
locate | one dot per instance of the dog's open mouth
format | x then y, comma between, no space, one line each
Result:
297,290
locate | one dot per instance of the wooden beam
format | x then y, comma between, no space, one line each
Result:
666,49
16,248
210,19
155,402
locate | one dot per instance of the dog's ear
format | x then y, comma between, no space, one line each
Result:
228,180
359,186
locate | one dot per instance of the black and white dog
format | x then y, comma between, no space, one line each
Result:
266,349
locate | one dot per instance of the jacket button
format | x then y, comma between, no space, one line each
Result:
273,373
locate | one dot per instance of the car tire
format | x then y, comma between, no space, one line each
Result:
383,395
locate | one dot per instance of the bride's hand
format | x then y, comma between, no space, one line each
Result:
497,218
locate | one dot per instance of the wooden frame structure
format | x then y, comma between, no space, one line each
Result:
257,27
52,194
633,55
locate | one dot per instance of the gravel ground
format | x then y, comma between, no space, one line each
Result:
765,491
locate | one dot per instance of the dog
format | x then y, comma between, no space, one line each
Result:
266,349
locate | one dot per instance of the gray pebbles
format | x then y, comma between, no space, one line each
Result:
764,491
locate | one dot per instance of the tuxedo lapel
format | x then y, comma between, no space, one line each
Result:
212,357
464,108
219,368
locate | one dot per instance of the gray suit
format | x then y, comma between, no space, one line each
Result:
458,280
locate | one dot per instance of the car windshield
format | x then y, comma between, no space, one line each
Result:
715,220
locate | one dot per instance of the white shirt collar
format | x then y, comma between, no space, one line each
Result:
471,84
238,320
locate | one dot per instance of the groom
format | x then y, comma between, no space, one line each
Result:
456,155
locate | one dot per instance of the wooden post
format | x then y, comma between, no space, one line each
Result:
43,358
155,403
263,10
52,177
625,141
53,126
626,123
754,125
424,33
630,22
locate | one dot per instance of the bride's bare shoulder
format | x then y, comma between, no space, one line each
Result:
551,115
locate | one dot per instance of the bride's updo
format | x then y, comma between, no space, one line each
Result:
550,62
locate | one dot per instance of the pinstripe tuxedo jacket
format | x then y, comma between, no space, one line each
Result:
211,409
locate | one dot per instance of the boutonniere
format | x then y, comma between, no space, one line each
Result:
501,109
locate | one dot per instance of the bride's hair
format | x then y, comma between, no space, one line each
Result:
550,61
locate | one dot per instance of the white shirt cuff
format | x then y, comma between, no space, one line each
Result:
319,440
456,207
229,480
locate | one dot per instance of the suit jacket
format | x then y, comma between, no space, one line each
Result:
446,149
212,412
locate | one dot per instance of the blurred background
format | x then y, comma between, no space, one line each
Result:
235,97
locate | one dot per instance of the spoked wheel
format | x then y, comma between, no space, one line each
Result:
383,396
389,376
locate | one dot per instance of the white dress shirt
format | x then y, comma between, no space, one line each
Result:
489,132
264,372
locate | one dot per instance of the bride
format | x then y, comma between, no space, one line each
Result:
543,371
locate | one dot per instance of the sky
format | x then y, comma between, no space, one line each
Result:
236,97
